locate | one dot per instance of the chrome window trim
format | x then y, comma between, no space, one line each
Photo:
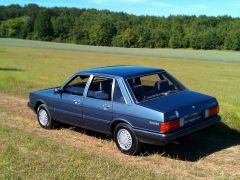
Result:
113,87
87,86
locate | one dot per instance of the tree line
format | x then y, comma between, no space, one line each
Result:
106,28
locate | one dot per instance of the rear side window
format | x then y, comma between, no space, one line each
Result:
100,88
76,86
117,95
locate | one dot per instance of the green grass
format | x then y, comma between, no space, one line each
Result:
30,65
209,55
35,158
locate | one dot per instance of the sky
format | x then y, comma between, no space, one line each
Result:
147,7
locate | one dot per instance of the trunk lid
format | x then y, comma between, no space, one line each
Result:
186,104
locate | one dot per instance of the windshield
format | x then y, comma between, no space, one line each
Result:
154,85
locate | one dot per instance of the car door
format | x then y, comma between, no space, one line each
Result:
68,104
97,105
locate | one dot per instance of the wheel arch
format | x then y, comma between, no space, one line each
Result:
115,122
38,103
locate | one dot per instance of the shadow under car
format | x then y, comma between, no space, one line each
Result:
189,148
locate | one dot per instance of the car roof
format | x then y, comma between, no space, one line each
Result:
122,71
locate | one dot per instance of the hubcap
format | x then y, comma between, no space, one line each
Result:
124,139
43,117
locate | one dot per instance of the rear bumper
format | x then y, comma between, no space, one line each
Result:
162,139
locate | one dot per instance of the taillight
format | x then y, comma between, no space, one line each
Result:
212,111
168,126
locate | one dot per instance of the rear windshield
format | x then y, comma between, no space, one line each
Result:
154,85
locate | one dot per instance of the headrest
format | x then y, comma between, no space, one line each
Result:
100,86
134,81
162,85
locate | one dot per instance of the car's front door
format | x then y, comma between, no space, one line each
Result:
97,105
68,104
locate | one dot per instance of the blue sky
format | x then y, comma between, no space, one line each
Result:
147,7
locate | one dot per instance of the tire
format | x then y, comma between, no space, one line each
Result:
125,139
44,117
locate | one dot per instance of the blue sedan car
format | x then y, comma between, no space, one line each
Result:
133,104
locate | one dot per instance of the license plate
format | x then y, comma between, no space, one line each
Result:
192,117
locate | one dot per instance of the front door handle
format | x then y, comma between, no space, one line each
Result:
76,101
105,106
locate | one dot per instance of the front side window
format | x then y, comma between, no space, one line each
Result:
100,88
154,85
76,86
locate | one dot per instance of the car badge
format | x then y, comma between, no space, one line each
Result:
177,114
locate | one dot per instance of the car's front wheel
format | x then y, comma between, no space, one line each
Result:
44,117
125,139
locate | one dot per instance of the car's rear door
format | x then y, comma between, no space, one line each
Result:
68,104
97,105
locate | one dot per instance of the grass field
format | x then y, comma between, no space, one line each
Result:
28,151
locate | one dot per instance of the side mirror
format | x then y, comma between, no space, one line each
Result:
58,90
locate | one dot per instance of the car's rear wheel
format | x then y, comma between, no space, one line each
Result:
44,117
125,139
